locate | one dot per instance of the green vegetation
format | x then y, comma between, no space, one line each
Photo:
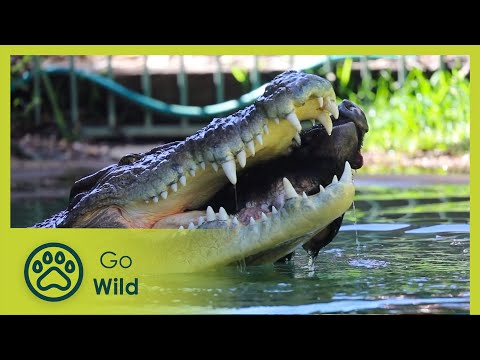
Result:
425,113
18,66
375,193
21,64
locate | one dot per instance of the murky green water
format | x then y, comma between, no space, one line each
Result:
412,255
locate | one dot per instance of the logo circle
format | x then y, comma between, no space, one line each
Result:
53,272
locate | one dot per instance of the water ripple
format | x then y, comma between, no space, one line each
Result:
346,306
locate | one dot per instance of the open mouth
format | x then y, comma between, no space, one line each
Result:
261,190
272,175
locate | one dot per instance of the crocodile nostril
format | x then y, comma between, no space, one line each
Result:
352,113
348,104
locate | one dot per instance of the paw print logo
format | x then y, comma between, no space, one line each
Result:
53,272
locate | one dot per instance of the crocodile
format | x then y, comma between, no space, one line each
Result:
269,178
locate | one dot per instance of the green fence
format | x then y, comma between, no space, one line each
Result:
190,118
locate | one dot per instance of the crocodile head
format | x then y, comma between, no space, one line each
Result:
262,177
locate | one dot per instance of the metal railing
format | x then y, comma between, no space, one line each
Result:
191,118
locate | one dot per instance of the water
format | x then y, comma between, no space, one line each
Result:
413,256
27,212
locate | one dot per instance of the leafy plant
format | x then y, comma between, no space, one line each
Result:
241,76
423,113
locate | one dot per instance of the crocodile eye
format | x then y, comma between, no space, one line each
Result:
129,159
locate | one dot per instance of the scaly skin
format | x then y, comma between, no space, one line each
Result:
140,178
172,184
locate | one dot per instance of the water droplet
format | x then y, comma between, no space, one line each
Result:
355,224
236,197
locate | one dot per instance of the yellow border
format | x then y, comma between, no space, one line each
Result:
5,138
8,235
474,179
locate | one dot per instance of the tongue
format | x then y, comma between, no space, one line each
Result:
246,213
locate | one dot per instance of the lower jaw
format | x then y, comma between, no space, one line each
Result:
261,241
272,255
194,218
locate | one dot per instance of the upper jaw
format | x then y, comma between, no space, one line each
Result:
233,142
258,133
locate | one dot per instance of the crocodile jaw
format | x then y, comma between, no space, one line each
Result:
224,241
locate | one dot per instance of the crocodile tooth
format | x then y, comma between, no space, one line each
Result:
242,158
347,173
251,147
326,121
293,119
155,199
164,195
183,180
192,173
181,227
201,220
264,217
277,120
210,214
336,112
265,129
322,189
304,195
331,107
274,210
191,226
202,165
313,122
230,170
222,214
320,101
214,166
259,139
334,180
235,221
174,187
252,221
289,190
297,139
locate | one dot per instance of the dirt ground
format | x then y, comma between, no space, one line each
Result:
41,149
45,167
